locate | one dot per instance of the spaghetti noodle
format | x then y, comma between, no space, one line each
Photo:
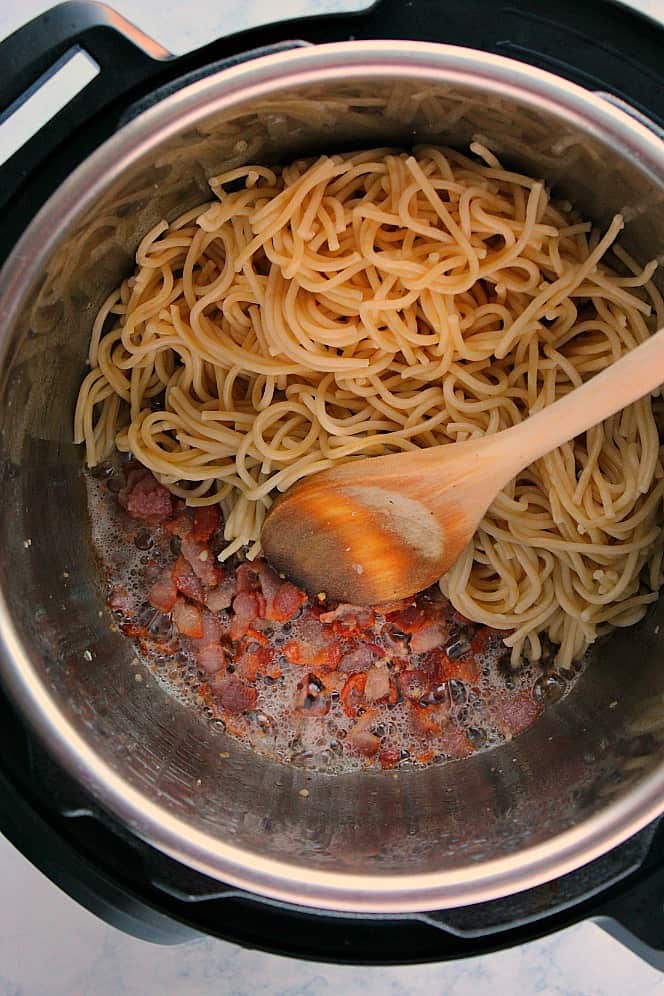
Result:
379,301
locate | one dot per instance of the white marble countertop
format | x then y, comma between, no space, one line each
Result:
50,946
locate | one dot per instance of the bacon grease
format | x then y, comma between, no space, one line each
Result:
333,688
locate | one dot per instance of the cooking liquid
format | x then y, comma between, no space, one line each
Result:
305,713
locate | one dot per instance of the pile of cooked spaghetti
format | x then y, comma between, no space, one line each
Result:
379,301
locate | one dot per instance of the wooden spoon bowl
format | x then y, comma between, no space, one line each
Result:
381,528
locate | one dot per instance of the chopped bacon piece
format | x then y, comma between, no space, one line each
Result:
220,597
389,758
211,628
206,522
409,619
233,694
246,578
246,608
253,659
187,581
377,686
349,617
211,658
316,646
415,684
430,635
180,526
513,713
269,583
145,498
202,561
163,593
426,720
287,602
281,598
463,668
332,681
395,643
188,619
361,658
364,743
297,652
352,695
328,657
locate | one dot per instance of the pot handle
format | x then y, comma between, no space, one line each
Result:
634,915
124,63
120,55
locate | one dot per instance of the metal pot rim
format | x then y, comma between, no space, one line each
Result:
277,879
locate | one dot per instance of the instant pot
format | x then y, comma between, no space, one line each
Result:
142,810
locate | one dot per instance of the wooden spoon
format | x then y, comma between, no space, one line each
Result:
382,528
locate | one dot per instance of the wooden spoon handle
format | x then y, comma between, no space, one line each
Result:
631,377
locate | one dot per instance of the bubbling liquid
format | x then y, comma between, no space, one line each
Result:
448,689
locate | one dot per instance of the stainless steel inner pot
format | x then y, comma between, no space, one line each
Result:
588,775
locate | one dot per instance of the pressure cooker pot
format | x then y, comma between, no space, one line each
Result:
585,777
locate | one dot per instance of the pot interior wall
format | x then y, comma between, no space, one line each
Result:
586,752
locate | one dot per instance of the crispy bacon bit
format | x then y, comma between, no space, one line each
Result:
188,619
415,684
211,658
464,668
316,646
233,694
145,498
430,635
426,720
206,522
246,608
408,619
281,599
201,560
352,695
253,659
180,526
328,657
269,585
246,577
332,680
163,593
211,628
377,686
364,743
187,581
349,617
361,658
389,758
220,597
287,602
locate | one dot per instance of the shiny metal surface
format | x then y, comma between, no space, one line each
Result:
588,775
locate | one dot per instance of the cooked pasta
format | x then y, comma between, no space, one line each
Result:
379,301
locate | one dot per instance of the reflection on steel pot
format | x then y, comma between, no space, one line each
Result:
583,779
